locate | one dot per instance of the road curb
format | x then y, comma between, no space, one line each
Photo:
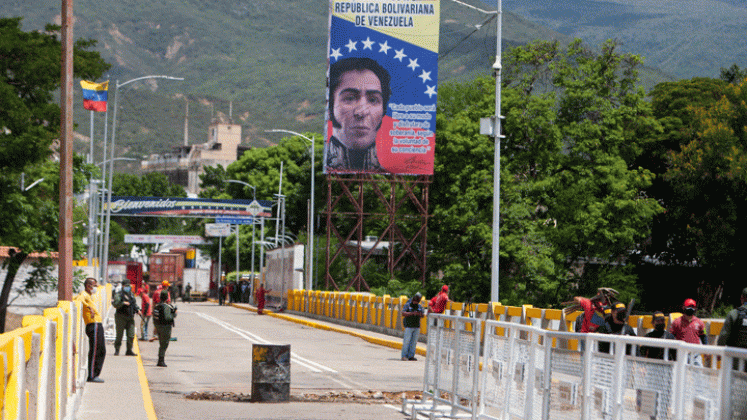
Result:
395,344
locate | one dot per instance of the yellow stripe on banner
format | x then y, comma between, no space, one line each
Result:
413,21
85,84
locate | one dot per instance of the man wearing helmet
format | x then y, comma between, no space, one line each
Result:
411,314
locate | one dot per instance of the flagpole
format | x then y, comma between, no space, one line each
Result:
91,209
103,203
117,85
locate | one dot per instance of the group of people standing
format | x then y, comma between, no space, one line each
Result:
126,307
412,312
234,293
612,319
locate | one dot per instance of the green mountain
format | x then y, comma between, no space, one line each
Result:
265,60
685,38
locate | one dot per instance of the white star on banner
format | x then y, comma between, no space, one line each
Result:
400,55
425,75
351,46
430,91
384,47
367,44
336,54
413,64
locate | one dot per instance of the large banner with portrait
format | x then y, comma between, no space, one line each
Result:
381,86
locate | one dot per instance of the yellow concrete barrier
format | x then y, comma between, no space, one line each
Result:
45,364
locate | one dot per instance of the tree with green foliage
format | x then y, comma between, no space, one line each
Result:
570,193
707,176
29,123
260,167
733,74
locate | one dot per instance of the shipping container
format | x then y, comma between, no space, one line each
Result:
190,255
135,274
131,270
166,266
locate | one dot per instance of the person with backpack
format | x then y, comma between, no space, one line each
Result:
124,318
163,319
734,331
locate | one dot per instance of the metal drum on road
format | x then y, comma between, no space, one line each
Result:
270,373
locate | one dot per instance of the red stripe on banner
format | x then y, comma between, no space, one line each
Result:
98,106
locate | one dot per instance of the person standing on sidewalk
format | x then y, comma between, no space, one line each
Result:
411,314
146,311
163,320
124,318
94,330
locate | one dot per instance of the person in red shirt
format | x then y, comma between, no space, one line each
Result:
437,304
260,295
691,329
146,312
157,294
229,291
592,317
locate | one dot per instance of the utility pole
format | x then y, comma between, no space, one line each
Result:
65,245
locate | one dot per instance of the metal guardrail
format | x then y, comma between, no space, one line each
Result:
526,373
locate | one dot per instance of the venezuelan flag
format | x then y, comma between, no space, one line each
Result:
94,95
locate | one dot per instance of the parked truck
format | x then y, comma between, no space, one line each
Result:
199,280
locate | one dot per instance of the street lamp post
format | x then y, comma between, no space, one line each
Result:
105,265
254,198
310,276
492,127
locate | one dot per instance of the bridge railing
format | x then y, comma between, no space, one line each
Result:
382,313
45,362
523,375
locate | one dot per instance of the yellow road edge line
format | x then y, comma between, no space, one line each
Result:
150,410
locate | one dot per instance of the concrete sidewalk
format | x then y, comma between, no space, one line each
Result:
123,395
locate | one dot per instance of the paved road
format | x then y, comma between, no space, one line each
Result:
212,354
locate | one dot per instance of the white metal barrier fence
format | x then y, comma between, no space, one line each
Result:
525,374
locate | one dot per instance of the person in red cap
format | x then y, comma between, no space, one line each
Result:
691,329
437,304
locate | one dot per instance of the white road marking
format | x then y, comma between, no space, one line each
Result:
251,337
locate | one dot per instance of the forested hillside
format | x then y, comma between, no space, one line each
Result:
267,57
684,38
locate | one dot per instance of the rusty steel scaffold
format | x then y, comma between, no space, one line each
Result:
397,216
